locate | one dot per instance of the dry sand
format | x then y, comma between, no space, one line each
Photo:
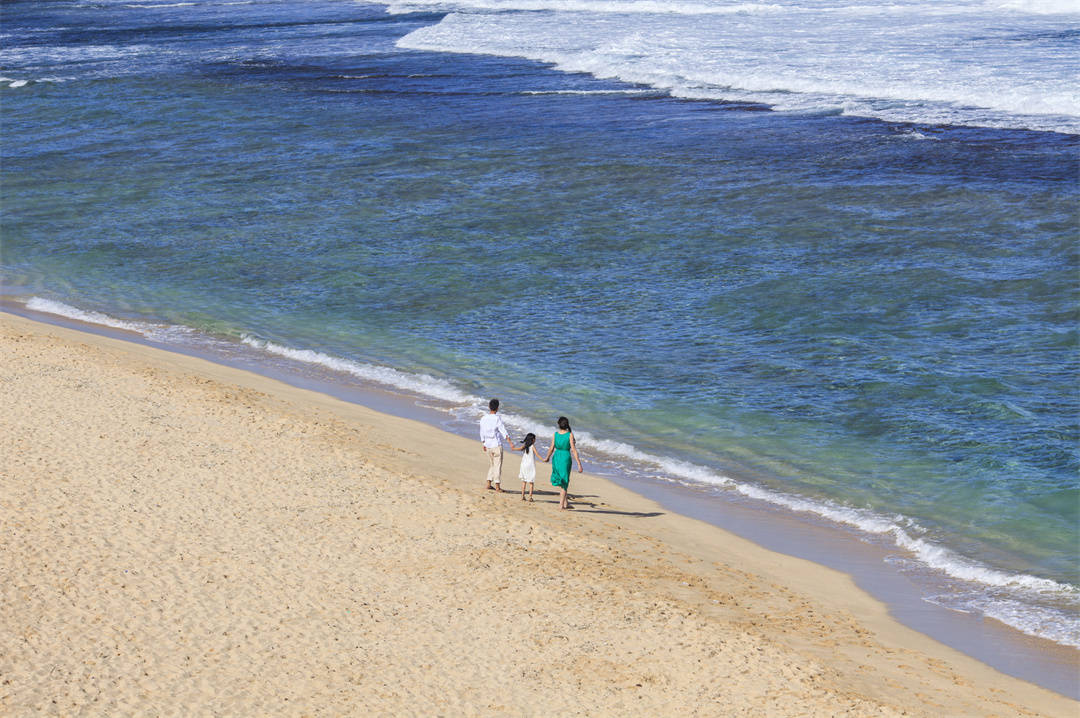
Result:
183,538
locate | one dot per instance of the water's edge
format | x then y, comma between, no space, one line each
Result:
1039,661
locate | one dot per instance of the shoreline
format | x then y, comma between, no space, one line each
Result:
431,457
961,585
999,646
867,560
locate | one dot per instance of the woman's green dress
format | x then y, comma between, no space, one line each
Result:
560,461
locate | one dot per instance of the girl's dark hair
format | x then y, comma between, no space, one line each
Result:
528,441
564,423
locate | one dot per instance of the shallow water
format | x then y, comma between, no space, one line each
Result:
869,322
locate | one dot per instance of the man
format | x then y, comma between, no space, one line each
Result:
492,434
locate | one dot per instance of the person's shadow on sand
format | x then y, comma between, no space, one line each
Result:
594,509
579,503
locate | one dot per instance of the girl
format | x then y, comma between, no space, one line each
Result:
527,472
562,445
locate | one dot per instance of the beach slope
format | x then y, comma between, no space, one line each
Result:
184,538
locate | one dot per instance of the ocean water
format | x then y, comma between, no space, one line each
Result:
818,255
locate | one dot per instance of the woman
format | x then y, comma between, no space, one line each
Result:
562,446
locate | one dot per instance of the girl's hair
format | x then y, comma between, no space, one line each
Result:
528,441
564,423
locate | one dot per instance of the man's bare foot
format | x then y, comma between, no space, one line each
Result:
530,498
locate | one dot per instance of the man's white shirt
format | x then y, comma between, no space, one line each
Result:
491,428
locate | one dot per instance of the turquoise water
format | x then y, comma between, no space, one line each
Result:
867,321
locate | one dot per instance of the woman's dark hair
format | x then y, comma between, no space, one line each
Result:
493,404
564,423
528,441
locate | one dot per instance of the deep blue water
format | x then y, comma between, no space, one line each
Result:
868,321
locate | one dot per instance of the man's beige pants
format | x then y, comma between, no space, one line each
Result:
494,474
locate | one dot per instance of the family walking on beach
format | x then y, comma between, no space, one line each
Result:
562,453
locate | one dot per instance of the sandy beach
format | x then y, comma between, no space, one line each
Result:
184,538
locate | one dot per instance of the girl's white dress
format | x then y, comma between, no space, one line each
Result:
527,472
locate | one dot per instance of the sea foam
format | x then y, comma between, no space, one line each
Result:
150,330
651,7
895,61
422,384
